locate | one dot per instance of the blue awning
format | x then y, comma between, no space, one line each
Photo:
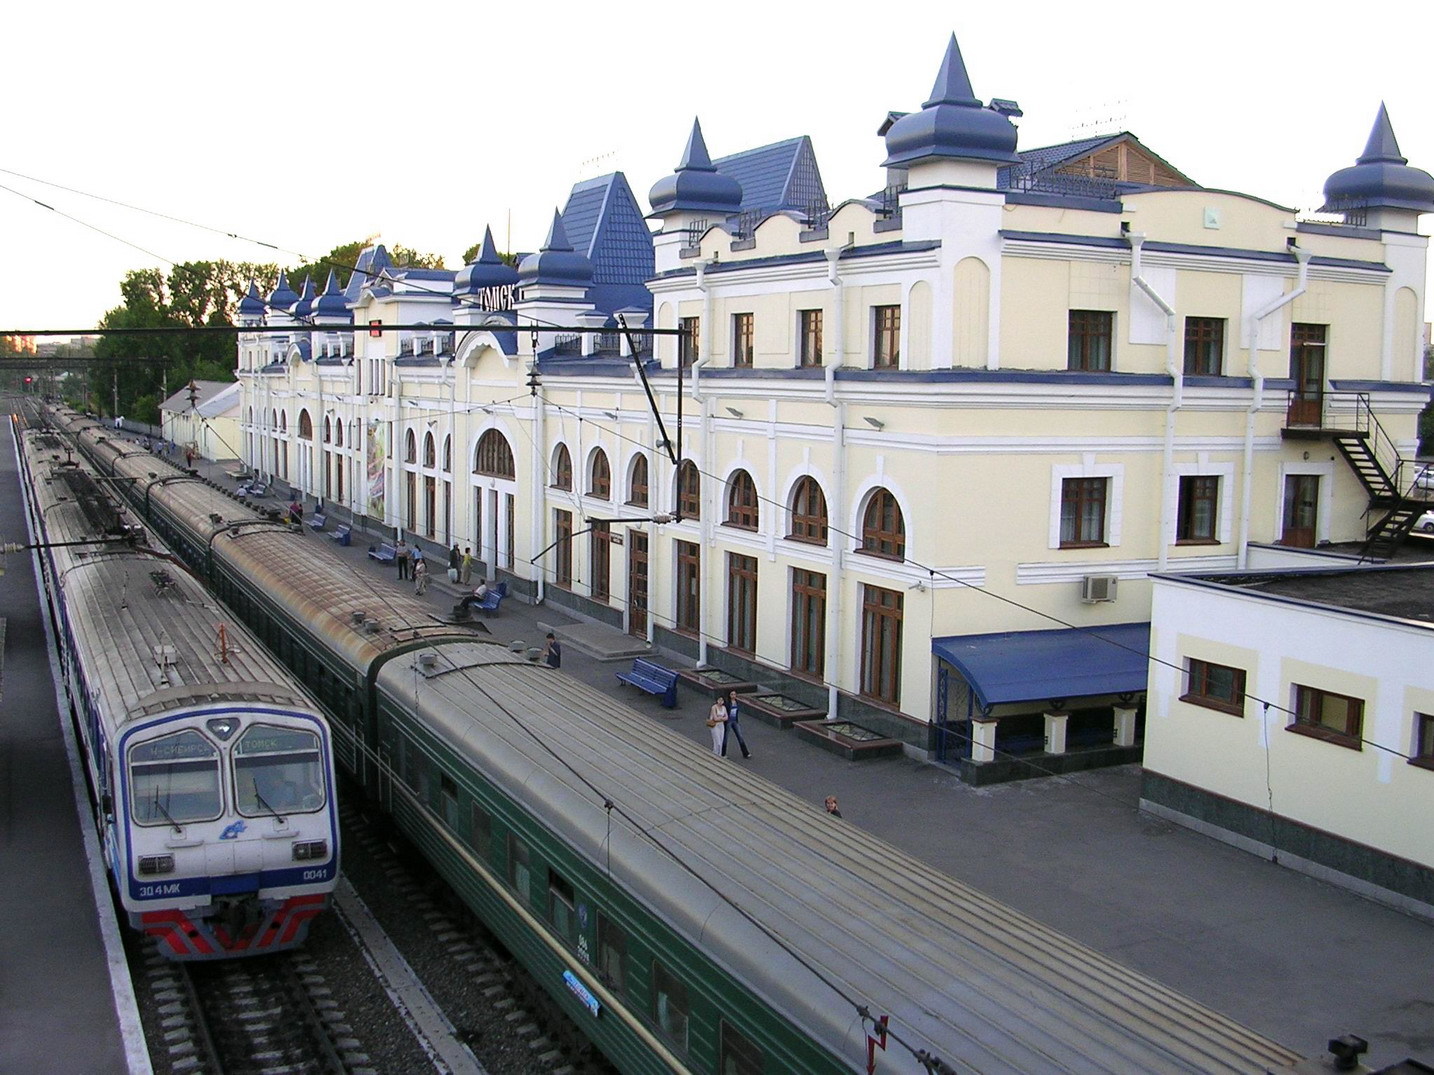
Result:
1042,666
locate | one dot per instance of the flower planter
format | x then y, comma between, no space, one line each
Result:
851,741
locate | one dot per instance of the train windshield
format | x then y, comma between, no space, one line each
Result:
278,771
174,779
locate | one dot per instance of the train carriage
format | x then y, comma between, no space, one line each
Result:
687,915
212,770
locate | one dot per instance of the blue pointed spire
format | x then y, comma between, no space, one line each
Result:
487,270
556,262
697,186
305,305
952,125
1381,178
283,296
332,304
251,305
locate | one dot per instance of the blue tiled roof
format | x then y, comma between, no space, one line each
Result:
603,221
952,123
372,260
1381,178
283,296
696,186
331,303
783,175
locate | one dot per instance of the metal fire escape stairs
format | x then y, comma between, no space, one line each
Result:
1395,503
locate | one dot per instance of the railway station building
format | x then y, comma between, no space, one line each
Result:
934,439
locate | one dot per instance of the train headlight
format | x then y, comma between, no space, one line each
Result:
311,849
149,865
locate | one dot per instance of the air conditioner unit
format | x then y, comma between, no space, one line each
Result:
1096,588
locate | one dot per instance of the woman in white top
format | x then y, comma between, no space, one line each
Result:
717,722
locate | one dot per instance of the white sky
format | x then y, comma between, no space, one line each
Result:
308,125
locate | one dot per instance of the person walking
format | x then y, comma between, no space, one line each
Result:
403,557
734,726
420,576
717,721
455,563
553,651
465,566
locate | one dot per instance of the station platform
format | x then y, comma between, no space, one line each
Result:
65,1005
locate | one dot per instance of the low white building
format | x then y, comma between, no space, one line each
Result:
1290,712
203,417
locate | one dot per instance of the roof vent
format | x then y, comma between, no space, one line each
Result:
428,661
358,617
371,626
1097,588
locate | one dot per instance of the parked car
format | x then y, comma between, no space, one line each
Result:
1425,525
1424,479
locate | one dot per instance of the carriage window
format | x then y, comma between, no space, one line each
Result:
174,779
560,907
612,954
480,834
277,771
669,1006
739,1056
519,868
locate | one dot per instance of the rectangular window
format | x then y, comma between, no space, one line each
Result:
881,644
690,342
480,831
519,868
739,1056
448,800
509,536
563,547
1335,718
1195,520
1204,346
669,1006
1088,345
809,622
1083,512
886,341
689,593
611,954
1423,741
1215,686
562,907
742,602
809,333
601,561
742,341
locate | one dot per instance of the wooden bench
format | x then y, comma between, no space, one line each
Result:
648,676
318,521
386,553
343,535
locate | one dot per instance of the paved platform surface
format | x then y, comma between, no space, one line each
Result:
1297,959
58,1010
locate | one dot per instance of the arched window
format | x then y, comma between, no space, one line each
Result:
562,468
809,513
306,426
494,457
410,448
283,421
430,457
328,431
741,501
883,531
339,433
637,484
600,483
689,490
448,453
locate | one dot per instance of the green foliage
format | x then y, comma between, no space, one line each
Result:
1426,430
343,258
472,252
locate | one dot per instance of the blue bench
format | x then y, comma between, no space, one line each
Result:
648,676
318,521
342,535
490,603
384,554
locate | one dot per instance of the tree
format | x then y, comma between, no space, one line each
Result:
472,252
343,259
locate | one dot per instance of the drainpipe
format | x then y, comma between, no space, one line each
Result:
1302,256
838,505
1176,369
540,453
709,448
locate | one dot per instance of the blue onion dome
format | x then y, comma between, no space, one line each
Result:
305,306
556,262
332,303
697,186
952,124
487,270
283,296
1381,178
251,305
